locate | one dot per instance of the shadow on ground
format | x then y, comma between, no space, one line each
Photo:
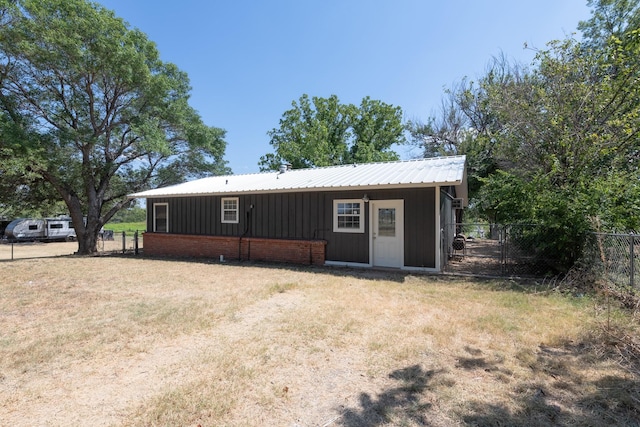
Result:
613,403
564,389
404,401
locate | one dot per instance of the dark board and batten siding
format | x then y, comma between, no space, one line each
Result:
420,228
285,216
308,216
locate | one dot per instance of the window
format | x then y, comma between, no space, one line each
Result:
348,216
52,226
229,207
387,222
161,217
33,227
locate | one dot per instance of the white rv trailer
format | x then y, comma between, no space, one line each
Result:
47,229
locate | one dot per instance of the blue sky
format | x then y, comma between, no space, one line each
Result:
248,60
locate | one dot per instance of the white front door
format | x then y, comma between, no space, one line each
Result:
387,233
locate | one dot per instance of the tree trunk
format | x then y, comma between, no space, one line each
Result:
87,228
87,243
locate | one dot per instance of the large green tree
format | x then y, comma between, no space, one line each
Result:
323,132
90,111
573,127
609,18
467,123
561,138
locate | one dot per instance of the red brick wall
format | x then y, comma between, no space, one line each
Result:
235,248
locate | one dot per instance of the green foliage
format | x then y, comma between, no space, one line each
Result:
614,200
324,132
91,113
376,127
467,123
559,220
131,214
557,145
609,18
127,227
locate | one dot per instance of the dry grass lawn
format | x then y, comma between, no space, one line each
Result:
126,341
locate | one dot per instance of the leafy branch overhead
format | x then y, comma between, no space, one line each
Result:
323,132
90,110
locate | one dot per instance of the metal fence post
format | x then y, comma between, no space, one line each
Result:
124,241
502,239
135,242
632,260
12,251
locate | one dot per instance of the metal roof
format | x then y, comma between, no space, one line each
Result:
436,171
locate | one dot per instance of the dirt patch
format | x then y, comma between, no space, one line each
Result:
28,250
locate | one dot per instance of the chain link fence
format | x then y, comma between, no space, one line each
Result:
108,243
614,257
529,250
500,250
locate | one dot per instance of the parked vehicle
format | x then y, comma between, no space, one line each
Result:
47,229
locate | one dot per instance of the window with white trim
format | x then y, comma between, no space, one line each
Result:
229,206
161,217
348,216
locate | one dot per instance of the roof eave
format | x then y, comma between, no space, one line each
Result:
302,190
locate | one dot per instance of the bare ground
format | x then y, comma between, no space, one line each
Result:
123,341
28,250
99,391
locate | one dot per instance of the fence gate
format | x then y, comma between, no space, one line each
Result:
493,250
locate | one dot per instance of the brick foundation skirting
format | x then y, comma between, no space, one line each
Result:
236,248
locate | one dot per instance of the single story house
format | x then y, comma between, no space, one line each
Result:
388,214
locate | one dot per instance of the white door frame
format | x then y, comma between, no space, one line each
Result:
398,204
